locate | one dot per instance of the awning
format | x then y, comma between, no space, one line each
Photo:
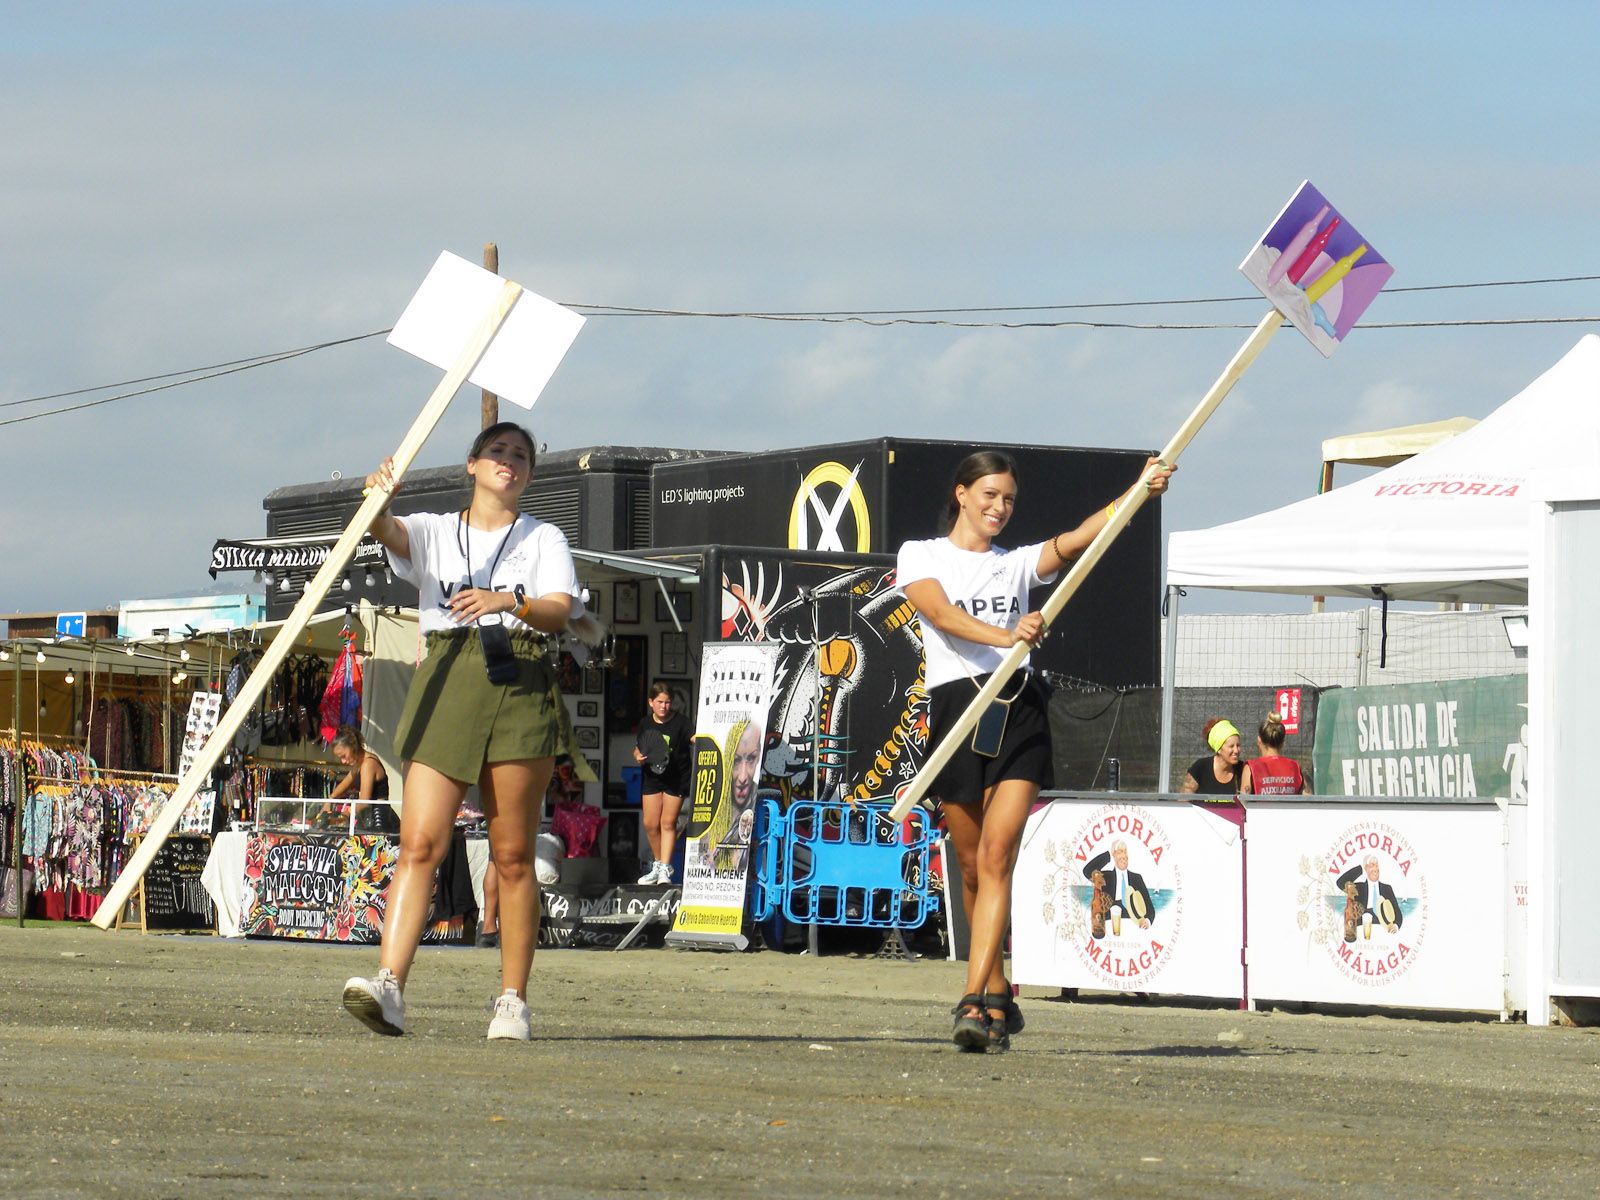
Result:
602,566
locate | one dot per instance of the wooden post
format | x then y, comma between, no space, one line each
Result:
1253,345
222,736
489,409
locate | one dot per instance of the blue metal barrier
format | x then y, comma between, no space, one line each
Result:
833,863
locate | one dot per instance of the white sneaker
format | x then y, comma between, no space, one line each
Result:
649,876
664,872
512,1021
377,1003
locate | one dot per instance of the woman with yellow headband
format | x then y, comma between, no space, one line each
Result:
1220,772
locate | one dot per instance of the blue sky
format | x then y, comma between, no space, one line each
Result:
191,183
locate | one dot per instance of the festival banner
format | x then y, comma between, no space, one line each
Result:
737,681
1460,738
1130,898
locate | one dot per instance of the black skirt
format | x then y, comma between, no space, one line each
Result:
1025,751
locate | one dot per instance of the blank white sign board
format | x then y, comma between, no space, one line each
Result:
449,306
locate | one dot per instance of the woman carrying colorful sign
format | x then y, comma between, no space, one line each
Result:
972,598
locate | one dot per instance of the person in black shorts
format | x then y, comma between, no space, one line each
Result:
972,598
662,752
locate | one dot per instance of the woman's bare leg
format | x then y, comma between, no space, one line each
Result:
986,841
513,793
491,899
426,826
651,804
671,806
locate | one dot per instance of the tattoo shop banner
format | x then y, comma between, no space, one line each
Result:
304,554
316,887
1457,739
1130,897
1399,905
736,687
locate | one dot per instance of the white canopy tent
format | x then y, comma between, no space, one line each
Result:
1450,524
1474,519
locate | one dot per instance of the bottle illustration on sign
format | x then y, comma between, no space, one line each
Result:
1309,254
1291,252
1334,274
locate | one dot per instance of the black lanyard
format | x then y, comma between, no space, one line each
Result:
464,544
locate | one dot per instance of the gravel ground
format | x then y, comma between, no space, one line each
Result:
135,1065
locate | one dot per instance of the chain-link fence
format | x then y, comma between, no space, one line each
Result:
1234,665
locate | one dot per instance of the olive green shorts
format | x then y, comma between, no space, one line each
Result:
455,720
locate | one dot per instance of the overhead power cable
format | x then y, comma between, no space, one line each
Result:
869,317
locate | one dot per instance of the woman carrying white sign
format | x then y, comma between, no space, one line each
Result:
972,598
483,707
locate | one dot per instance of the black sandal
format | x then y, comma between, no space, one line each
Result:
1005,1002
971,1032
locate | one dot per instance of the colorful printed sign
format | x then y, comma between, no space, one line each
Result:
316,887
1316,269
1129,897
1459,738
1400,905
736,686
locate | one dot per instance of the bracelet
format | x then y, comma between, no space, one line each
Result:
1055,544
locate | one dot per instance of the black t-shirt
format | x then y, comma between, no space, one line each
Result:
1207,778
665,745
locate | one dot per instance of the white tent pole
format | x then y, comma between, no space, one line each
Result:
222,737
1246,355
1169,688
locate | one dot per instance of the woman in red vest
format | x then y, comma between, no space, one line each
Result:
1272,774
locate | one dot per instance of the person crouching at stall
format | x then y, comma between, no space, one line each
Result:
972,598
366,781
483,707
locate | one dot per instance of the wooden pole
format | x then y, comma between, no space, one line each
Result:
489,408
222,736
1096,549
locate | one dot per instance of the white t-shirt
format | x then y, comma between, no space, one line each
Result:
535,555
991,586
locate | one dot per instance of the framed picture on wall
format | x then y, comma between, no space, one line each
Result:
596,767
594,679
682,604
627,602
674,653
682,696
588,736
625,682
589,710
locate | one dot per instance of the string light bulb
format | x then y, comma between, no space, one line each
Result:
5,653
38,656
71,678
184,654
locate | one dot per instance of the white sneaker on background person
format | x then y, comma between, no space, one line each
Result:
512,1021
649,876
377,1003
664,872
